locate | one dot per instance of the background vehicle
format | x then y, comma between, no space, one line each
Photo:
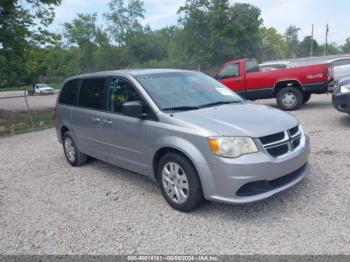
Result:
41,89
341,96
291,87
270,66
185,130
341,67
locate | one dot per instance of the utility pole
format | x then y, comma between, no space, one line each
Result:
326,42
312,41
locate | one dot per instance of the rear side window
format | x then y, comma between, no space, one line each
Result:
251,66
69,92
91,93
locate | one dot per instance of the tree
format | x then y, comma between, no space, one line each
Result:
346,47
124,19
84,32
273,44
148,45
214,31
23,25
332,49
291,36
304,47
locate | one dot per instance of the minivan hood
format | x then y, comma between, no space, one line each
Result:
241,119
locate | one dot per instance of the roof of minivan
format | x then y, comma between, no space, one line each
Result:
133,72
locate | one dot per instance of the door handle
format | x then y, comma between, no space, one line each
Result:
108,122
96,119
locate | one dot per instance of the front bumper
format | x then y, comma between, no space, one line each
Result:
341,102
254,177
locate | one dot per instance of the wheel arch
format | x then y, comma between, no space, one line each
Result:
63,130
165,150
280,84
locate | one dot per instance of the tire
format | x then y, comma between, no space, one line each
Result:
180,184
289,98
73,156
306,97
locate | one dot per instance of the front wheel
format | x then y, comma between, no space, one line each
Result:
289,98
179,182
74,157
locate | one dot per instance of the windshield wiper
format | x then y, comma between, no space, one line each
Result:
181,108
220,103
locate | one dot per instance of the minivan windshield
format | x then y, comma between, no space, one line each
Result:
186,90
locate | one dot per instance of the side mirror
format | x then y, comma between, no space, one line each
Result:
133,109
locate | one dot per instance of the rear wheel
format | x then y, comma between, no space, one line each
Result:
289,98
306,97
179,182
73,156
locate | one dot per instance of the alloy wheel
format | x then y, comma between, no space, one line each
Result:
175,182
70,149
289,100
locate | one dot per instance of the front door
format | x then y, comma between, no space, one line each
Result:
125,137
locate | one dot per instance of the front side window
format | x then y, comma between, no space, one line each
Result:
186,90
120,92
69,92
231,70
91,93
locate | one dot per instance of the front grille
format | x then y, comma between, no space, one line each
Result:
281,143
293,130
296,142
271,138
278,151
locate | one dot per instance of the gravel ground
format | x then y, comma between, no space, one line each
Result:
48,207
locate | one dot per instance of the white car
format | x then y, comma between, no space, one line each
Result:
271,66
341,67
43,89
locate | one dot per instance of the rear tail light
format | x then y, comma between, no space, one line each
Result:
330,72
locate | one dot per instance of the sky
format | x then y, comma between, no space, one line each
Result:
275,13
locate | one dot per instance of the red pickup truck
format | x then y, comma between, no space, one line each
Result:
291,87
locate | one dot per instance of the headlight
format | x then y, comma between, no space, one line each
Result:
302,135
232,146
301,129
345,89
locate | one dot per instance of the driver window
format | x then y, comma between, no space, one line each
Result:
120,92
231,70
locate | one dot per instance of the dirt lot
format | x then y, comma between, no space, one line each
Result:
37,102
48,207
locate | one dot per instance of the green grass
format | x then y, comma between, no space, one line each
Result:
26,87
29,122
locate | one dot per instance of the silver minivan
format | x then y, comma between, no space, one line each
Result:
185,130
